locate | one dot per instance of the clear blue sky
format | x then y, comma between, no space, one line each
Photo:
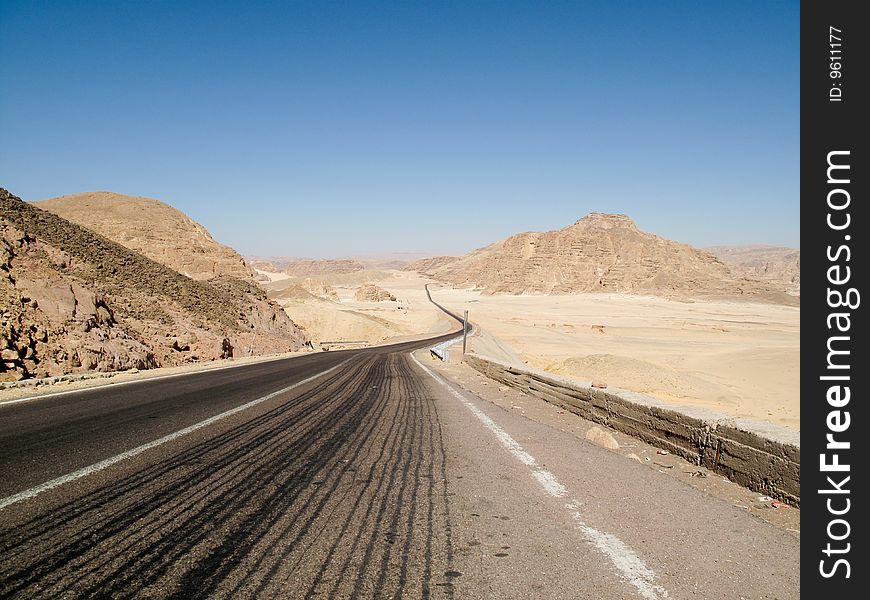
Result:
338,128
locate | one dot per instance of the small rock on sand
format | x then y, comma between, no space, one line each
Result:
598,436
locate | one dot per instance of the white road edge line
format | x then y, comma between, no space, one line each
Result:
629,564
85,471
107,381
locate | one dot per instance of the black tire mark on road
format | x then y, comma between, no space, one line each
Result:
250,511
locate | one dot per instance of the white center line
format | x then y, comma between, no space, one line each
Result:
629,564
85,471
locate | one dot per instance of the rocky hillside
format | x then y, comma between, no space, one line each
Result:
153,229
72,300
315,268
599,253
273,264
778,265
372,293
319,289
426,265
263,265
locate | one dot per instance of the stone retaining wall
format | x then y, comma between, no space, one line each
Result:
759,456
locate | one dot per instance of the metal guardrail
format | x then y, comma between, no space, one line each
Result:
440,350
449,312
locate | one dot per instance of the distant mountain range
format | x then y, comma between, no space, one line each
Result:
771,263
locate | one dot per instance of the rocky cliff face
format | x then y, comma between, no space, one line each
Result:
315,268
153,229
72,300
320,289
599,253
427,265
780,266
372,293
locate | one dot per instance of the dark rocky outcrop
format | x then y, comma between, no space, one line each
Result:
72,300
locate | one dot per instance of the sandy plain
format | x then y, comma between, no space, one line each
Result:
348,323
738,358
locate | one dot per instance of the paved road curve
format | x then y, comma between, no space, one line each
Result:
331,487
375,479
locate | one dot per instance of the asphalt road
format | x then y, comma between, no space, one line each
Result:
48,437
360,474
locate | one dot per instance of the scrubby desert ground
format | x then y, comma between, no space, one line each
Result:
739,358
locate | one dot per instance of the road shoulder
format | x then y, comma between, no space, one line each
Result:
782,516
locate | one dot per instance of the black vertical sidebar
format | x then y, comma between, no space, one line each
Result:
835,432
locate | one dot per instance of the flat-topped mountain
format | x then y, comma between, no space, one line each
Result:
598,253
73,300
153,229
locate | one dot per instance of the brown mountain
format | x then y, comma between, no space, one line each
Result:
72,300
317,288
263,265
372,293
426,265
153,229
776,264
599,253
319,267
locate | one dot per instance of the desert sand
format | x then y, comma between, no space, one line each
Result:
739,358
270,276
349,322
